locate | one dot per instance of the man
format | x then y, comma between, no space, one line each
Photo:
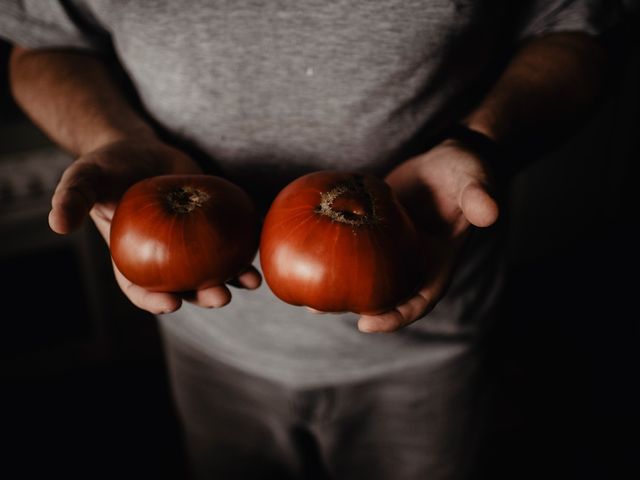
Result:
260,92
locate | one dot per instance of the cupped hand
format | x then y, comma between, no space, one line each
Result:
93,184
446,192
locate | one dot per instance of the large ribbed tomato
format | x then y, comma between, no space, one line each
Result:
340,241
174,233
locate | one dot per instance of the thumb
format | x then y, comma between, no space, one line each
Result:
478,207
74,196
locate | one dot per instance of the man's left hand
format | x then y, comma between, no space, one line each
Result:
446,192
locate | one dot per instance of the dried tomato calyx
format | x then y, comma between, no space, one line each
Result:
348,202
186,199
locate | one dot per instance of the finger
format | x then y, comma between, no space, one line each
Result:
74,196
386,322
213,297
410,311
153,302
479,208
249,279
102,220
314,311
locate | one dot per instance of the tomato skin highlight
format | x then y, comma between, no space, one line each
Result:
175,233
340,241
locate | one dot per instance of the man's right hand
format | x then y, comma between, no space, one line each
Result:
94,183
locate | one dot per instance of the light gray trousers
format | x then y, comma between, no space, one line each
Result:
418,424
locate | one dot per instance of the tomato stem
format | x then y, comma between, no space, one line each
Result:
349,202
186,199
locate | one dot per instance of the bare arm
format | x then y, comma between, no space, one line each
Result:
73,98
552,81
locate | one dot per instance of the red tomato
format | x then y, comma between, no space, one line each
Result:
338,241
175,233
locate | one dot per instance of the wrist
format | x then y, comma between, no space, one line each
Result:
487,122
491,152
110,135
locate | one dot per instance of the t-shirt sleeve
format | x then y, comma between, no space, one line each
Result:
48,24
589,16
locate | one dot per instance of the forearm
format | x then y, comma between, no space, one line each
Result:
73,98
544,91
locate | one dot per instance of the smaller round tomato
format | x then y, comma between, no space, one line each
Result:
174,233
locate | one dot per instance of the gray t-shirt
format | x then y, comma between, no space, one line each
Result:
266,91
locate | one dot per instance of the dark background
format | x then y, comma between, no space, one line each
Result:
82,379
84,393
